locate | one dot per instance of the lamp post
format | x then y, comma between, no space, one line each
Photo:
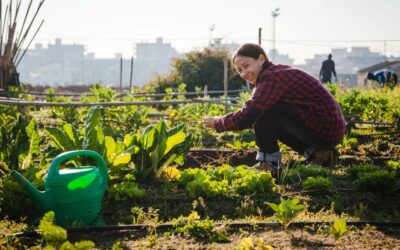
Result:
274,14
212,28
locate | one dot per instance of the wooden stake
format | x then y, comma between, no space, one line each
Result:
130,77
120,77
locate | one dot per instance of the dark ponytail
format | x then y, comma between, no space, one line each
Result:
251,50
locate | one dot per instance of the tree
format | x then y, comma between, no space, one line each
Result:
200,68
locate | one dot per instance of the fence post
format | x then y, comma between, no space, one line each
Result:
226,85
130,77
120,78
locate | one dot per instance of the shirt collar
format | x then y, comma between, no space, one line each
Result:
264,72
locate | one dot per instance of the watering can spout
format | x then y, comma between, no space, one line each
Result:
40,198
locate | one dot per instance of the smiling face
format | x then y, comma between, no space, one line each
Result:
248,67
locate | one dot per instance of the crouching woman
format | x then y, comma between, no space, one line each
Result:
287,105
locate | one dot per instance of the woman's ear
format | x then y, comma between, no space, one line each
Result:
262,58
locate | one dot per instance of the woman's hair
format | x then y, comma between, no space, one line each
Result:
251,50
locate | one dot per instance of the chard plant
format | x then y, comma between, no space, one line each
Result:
115,153
286,211
157,147
19,143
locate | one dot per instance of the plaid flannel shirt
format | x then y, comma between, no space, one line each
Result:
280,83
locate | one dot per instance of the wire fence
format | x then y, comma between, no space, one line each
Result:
18,102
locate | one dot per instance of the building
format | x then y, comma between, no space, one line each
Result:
280,58
68,64
347,63
153,59
57,65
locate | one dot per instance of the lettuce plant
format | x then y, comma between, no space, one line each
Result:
286,211
317,183
226,181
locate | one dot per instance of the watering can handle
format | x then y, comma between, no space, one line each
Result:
101,164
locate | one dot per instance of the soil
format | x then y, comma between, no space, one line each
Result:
171,201
309,238
215,157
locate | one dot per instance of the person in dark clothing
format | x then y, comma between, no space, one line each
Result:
328,67
287,104
385,77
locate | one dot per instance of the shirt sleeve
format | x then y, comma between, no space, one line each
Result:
266,94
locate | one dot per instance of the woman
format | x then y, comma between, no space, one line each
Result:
288,105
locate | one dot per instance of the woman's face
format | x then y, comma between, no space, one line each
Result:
248,67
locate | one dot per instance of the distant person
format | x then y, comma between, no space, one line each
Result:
328,67
385,77
287,105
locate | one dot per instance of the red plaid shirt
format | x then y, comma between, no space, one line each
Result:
280,83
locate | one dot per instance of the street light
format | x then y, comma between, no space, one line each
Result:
274,14
212,28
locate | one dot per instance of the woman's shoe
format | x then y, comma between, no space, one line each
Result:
322,157
274,167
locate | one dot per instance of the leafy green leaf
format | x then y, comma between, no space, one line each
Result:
73,135
110,149
122,159
91,134
61,139
338,228
34,141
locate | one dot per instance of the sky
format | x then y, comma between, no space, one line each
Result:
303,27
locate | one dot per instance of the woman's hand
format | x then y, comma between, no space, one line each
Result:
209,122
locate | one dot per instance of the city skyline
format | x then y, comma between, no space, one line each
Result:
66,64
303,27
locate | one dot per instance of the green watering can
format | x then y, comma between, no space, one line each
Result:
74,194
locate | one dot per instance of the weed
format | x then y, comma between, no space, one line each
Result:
246,207
204,230
249,243
8,227
338,229
56,237
117,246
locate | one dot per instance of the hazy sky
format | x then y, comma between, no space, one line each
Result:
303,28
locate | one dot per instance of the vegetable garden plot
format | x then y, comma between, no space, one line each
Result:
200,192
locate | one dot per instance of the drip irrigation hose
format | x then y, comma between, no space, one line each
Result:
231,225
